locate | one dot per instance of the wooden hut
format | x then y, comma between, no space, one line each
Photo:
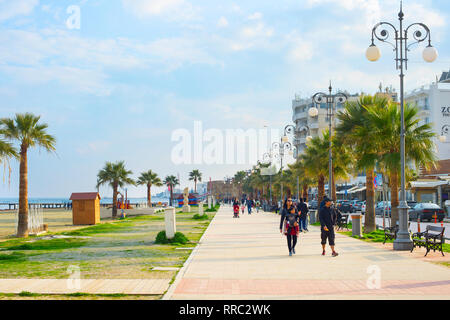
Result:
85,208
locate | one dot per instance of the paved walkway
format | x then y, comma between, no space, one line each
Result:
92,286
247,258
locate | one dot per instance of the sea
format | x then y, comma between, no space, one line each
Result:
5,201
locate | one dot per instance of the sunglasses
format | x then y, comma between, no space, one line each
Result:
289,201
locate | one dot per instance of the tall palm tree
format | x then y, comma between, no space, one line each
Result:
171,182
149,179
116,175
419,143
195,175
356,129
238,180
28,132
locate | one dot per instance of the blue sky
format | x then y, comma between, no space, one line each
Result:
136,70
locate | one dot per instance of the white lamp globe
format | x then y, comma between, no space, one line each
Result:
313,112
442,139
284,138
373,53
430,54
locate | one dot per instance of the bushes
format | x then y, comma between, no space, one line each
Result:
179,238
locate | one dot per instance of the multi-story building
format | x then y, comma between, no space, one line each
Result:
311,126
433,102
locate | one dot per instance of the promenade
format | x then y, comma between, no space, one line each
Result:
247,258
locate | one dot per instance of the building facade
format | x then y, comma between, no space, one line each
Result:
434,107
311,126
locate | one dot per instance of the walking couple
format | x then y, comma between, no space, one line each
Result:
289,224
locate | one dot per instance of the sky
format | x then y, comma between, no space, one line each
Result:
113,79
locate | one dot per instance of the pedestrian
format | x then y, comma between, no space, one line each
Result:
303,211
290,217
243,209
249,205
327,221
236,208
258,204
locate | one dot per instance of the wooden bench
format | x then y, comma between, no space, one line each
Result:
342,222
431,239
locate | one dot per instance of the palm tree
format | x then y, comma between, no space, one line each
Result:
149,179
238,180
355,128
195,175
171,182
419,150
28,132
116,175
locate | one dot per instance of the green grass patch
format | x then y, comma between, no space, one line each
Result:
200,217
178,238
28,294
15,256
54,244
119,226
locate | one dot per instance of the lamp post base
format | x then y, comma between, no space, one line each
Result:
403,242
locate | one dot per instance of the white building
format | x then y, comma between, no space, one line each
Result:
311,126
434,104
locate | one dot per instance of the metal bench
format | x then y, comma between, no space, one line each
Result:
343,222
431,239
390,233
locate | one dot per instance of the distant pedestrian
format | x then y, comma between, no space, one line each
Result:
303,212
249,205
327,221
289,220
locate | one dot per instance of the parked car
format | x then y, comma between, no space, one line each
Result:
426,211
346,206
379,208
363,207
411,203
312,204
357,205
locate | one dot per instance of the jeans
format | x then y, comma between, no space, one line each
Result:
249,209
292,241
303,223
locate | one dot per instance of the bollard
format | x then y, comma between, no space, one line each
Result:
209,202
170,221
200,208
418,224
356,225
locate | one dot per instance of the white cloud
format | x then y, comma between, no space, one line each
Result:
255,16
170,9
13,8
223,22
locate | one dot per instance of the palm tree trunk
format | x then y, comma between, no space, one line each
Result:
305,191
320,189
171,195
369,219
22,230
195,185
394,196
149,194
114,208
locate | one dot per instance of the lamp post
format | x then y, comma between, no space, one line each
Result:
330,99
284,143
420,33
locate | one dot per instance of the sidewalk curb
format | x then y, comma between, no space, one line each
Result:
182,271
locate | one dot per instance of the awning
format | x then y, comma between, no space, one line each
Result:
427,184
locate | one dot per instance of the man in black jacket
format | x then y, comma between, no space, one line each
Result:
327,221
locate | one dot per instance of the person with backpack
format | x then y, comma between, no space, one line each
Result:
290,218
327,221
303,211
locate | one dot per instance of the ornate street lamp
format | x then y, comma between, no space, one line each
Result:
420,33
331,100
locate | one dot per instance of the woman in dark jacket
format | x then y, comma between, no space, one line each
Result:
289,215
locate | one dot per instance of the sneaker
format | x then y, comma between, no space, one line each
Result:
335,254
293,251
290,253
306,230
323,253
